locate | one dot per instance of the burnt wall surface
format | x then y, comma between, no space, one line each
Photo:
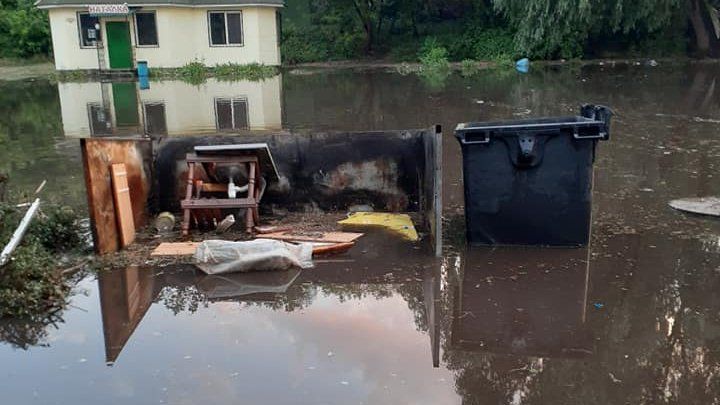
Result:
326,171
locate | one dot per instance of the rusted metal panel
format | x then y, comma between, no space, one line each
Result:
98,155
326,171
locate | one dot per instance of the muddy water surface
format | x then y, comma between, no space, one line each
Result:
634,318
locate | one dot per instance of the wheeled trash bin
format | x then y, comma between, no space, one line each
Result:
529,182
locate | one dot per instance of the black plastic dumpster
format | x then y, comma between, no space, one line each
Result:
529,182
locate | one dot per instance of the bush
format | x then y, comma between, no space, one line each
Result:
493,45
433,56
30,284
295,48
468,67
194,72
252,71
57,230
328,40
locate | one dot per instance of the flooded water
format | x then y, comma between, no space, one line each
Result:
632,319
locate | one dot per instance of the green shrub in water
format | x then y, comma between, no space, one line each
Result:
252,71
433,56
468,67
194,72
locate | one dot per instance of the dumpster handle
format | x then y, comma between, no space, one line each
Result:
473,138
600,135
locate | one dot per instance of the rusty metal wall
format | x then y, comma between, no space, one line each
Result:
318,171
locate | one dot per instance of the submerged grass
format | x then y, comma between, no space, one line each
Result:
197,72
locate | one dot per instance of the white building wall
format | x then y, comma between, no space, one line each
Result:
183,37
74,98
66,41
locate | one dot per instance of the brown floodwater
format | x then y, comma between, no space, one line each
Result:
634,318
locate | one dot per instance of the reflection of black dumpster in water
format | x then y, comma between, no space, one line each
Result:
529,182
526,302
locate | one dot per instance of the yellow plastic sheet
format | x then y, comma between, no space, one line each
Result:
399,223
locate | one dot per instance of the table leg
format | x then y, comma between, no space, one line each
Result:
249,215
188,196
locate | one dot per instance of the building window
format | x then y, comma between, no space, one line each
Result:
99,118
89,27
155,121
231,114
225,28
146,28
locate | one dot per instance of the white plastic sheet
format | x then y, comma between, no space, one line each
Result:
221,256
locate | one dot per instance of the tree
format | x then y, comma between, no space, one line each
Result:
550,28
24,30
703,16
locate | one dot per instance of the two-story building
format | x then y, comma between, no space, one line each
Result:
106,34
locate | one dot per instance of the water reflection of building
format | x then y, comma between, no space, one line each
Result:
96,109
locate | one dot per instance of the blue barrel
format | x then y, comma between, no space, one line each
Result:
142,68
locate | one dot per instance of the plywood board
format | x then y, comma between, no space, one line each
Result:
304,236
123,206
175,249
98,156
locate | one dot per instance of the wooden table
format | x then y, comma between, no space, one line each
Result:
193,195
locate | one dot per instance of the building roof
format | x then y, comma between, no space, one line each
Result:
177,3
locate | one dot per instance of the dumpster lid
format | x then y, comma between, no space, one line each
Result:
580,127
528,124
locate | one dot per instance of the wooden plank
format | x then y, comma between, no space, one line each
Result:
188,248
262,229
175,249
300,236
332,248
123,206
214,188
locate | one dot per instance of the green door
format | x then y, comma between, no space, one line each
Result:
119,47
126,104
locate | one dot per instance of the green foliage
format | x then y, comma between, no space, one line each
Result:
296,47
197,72
494,44
57,230
30,285
194,72
333,36
433,56
561,28
24,30
469,67
252,71
435,66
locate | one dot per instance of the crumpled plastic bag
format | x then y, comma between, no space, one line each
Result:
222,256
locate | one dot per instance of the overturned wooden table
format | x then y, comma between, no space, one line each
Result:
255,157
